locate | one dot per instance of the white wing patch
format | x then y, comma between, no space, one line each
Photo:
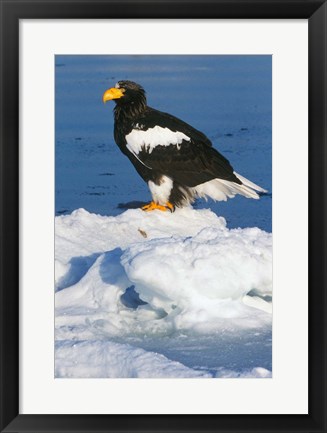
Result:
152,137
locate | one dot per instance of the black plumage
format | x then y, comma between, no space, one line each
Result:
176,160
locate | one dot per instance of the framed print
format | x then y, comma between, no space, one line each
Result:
163,216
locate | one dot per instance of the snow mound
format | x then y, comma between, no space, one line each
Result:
257,372
82,233
202,272
141,275
86,359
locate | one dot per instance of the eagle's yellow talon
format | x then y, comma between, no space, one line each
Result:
148,207
153,206
170,206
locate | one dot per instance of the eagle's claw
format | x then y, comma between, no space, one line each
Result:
153,206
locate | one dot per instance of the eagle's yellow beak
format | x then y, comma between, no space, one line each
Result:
112,93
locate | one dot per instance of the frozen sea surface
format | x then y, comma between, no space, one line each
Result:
226,97
140,294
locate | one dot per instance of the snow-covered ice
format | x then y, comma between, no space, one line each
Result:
108,359
161,295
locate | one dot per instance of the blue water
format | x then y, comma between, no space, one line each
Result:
229,98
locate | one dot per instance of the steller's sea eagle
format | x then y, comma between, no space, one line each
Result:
176,160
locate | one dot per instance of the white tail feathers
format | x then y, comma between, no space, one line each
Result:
250,184
220,190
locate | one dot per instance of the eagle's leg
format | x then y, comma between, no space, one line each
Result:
152,206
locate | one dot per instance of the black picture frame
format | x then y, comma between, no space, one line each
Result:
14,10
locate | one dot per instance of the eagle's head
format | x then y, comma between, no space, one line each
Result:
124,93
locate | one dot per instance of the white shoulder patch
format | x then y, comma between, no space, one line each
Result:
152,137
